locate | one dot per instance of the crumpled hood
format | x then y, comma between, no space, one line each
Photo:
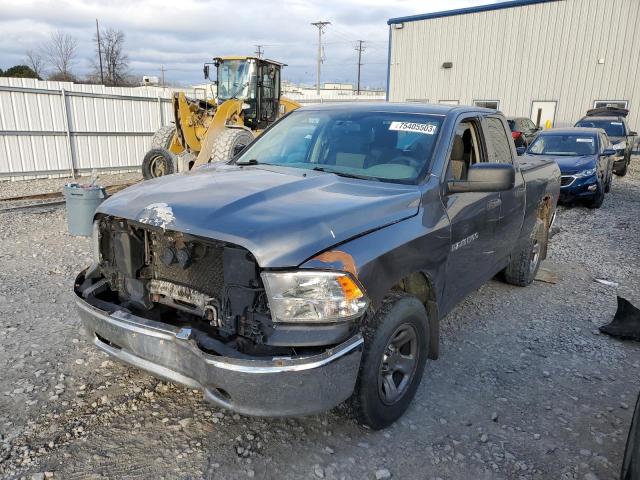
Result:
569,165
281,215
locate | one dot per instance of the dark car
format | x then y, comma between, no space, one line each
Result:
316,266
585,158
523,130
613,120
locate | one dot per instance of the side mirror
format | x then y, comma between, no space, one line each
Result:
633,134
521,150
607,152
205,70
485,177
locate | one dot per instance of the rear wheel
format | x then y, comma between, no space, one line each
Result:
607,186
157,163
163,136
229,143
525,262
395,353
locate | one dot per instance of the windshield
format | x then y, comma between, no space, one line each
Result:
235,78
614,128
394,147
563,145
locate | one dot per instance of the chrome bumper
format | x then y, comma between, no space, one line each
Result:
281,386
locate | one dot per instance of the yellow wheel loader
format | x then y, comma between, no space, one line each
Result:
216,129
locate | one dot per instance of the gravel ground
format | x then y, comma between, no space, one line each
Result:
526,387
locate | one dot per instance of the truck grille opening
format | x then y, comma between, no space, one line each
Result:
193,264
176,278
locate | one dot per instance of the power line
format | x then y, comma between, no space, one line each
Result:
359,49
162,70
99,52
321,26
259,50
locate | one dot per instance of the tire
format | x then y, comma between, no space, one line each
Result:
525,262
157,163
374,403
598,198
631,459
228,142
623,171
163,137
607,187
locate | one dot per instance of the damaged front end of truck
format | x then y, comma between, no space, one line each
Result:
203,313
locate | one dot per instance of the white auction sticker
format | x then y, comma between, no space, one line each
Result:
424,128
584,140
616,123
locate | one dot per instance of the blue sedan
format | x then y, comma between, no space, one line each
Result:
585,157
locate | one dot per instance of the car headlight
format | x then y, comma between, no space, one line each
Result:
95,242
307,296
586,173
620,146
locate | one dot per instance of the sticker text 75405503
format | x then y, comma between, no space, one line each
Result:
424,128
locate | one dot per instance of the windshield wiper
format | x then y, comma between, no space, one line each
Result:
344,174
251,161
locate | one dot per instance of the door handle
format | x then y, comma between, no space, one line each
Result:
495,203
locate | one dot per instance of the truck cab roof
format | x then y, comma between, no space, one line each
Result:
417,108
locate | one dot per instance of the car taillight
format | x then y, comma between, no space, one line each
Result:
516,135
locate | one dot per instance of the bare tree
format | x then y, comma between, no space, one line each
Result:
60,53
115,61
34,60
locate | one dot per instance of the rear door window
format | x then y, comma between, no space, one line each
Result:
498,146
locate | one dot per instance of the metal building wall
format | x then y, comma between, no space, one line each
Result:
545,51
50,128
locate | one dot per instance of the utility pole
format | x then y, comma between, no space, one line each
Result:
321,26
359,49
162,70
99,52
259,51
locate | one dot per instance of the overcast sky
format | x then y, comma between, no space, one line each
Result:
183,34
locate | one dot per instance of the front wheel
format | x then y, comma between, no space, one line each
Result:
598,198
395,353
525,261
229,143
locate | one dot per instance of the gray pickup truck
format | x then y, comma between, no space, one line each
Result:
316,266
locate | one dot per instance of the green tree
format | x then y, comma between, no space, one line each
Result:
20,71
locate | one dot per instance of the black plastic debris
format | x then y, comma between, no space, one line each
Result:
625,323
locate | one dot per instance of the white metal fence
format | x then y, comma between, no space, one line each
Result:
62,128
56,128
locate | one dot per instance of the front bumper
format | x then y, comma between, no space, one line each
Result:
280,386
578,188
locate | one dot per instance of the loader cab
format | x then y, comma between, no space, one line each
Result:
255,81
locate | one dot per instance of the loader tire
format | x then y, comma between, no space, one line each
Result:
163,137
229,143
157,163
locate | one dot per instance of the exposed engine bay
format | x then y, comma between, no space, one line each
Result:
212,287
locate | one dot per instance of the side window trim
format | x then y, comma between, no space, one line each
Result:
475,123
505,128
